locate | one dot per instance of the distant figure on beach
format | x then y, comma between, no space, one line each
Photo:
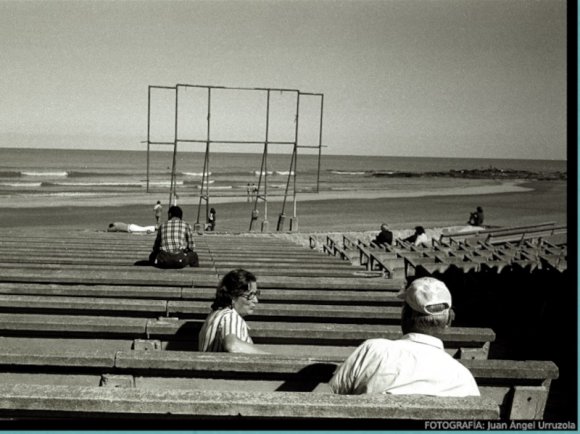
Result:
419,238
225,329
254,190
415,364
384,237
211,220
174,245
476,218
157,209
129,227
248,191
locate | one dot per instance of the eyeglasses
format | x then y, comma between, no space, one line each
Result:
251,295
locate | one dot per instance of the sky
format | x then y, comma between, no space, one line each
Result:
434,78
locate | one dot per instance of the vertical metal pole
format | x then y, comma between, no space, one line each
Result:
319,144
148,132
204,181
172,189
266,156
296,149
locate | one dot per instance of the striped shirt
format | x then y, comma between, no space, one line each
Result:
174,236
218,325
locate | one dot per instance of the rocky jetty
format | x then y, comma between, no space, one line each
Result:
486,173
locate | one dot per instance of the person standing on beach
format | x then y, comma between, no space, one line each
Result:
211,220
248,192
415,364
174,245
384,237
225,329
157,209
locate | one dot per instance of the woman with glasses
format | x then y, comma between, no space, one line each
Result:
225,329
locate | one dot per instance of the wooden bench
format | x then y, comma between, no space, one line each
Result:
375,259
520,237
446,238
329,295
178,334
187,309
188,277
332,248
82,402
520,388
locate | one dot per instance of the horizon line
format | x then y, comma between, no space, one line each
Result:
277,153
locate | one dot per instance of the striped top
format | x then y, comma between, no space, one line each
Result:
174,236
218,325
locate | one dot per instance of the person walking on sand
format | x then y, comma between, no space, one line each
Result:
225,329
157,209
211,220
174,245
248,192
415,364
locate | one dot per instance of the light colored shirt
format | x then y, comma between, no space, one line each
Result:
422,239
218,325
416,364
157,208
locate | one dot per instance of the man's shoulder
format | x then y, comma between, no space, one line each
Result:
376,344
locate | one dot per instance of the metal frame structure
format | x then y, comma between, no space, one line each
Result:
204,191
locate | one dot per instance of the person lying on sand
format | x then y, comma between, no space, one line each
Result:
129,227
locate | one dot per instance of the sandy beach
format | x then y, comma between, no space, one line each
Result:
505,203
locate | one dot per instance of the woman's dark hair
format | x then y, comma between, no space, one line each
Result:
419,230
212,210
232,285
479,209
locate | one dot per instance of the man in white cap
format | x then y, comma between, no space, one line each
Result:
416,363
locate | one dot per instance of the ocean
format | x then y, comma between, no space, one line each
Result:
57,172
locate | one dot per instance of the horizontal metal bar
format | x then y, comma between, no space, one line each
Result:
273,89
161,143
311,94
237,88
234,142
310,147
161,87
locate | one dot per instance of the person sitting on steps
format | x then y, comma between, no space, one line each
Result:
174,245
415,364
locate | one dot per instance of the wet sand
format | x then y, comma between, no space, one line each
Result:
506,204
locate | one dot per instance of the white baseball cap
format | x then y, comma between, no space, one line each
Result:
425,292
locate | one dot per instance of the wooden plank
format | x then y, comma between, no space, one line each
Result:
243,372
148,276
485,232
113,291
316,296
70,401
261,331
195,309
73,325
529,402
